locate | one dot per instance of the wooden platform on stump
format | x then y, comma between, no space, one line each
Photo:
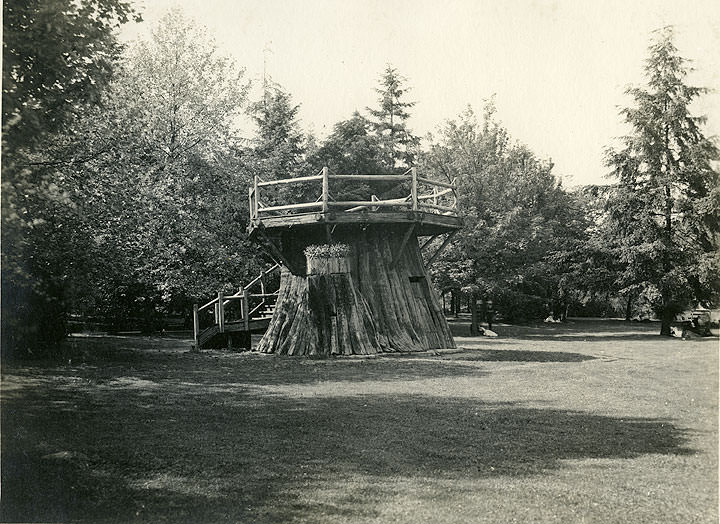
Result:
377,297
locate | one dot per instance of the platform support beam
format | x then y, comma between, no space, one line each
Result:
441,248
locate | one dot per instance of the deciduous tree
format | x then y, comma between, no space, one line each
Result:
57,58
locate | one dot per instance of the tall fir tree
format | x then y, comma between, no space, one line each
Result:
666,206
390,120
279,146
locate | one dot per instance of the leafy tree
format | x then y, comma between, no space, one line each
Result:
666,205
351,148
170,188
390,120
57,57
516,217
154,181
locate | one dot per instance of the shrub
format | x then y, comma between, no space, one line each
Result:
336,250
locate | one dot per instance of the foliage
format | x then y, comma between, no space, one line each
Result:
665,209
166,188
151,215
278,148
57,58
399,145
517,216
335,250
351,149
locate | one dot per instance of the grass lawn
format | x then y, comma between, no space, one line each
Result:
591,421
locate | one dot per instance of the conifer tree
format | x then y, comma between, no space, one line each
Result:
390,120
666,206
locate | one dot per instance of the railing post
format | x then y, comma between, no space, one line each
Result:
250,204
454,192
256,191
246,309
216,310
196,328
221,311
413,194
435,198
325,186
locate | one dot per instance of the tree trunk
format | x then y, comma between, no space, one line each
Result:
628,307
473,315
377,300
667,314
665,320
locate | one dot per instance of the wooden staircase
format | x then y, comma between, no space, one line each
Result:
233,318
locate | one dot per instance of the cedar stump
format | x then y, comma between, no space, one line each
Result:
376,299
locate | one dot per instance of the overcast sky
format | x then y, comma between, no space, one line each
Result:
558,69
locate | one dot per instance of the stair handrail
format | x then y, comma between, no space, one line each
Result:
221,301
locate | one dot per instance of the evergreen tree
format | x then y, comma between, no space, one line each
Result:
666,206
390,120
278,148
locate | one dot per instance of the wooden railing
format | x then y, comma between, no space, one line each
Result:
246,298
441,200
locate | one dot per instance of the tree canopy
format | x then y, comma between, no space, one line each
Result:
516,216
57,58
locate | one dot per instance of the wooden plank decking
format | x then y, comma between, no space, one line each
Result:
427,224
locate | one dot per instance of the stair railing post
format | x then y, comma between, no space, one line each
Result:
325,187
196,328
413,194
221,312
246,309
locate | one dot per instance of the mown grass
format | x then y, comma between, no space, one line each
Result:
584,422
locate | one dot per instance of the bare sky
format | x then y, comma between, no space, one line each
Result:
558,69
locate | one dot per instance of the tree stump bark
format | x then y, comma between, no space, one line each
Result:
379,299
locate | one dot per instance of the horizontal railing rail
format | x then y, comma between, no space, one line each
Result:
442,200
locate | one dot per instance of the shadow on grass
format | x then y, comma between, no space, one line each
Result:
512,355
215,458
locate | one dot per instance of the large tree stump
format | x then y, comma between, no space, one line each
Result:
377,299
